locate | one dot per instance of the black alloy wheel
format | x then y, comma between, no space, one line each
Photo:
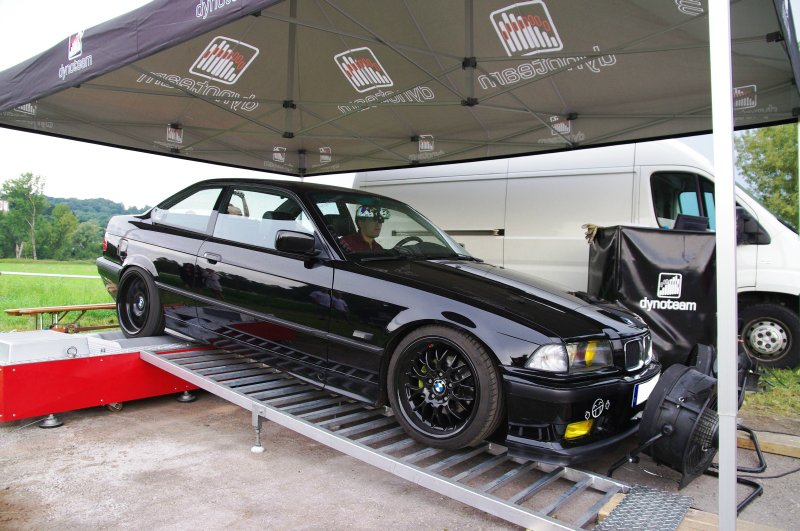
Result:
444,388
138,305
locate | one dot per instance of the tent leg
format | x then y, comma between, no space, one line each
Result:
722,117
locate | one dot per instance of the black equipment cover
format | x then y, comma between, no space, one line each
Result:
665,276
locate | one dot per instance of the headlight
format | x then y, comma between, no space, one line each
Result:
589,355
574,357
551,358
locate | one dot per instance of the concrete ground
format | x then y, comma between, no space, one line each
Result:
160,464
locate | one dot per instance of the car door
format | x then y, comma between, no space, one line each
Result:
256,296
169,241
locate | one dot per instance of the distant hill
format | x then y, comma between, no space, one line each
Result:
99,210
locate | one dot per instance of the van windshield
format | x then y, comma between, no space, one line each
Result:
369,227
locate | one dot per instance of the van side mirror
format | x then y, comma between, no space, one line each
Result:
748,230
289,241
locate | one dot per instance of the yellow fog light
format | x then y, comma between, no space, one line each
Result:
579,429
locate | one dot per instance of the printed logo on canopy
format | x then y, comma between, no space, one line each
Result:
362,69
75,46
224,60
526,28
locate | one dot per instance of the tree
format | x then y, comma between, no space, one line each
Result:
87,240
767,159
26,205
55,240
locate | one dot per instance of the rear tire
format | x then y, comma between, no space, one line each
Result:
138,305
770,334
444,388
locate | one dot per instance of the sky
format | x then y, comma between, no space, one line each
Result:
83,170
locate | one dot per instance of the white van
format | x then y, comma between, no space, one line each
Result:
526,213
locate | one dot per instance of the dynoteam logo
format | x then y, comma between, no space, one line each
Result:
224,60
560,125
75,46
669,285
362,69
745,97
425,143
526,29
325,155
75,62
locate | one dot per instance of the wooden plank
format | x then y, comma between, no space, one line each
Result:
58,309
773,443
702,521
615,500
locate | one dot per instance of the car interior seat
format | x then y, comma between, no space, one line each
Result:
339,225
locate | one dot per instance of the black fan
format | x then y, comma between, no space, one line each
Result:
682,414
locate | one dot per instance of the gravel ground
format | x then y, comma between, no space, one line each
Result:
160,464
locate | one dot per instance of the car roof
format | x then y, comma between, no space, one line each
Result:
295,186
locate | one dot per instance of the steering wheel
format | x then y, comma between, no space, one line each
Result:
407,239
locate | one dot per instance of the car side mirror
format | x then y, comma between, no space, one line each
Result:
289,241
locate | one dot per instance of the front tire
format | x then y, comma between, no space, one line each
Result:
138,305
770,334
444,388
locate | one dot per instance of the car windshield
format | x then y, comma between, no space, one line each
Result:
369,227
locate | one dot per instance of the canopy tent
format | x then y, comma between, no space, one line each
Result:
309,88
305,88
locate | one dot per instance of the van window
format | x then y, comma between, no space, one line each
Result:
681,193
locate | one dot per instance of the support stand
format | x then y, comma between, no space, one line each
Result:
757,488
51,422
186,397
258,421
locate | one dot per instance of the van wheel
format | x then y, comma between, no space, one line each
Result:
770,334
138,304
444,388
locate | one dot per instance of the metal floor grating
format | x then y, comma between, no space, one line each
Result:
526,493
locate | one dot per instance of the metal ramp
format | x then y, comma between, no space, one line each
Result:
526,493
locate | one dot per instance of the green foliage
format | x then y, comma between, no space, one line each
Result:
87,240
780,394
52,228
99,210
26,206
767,159
60,233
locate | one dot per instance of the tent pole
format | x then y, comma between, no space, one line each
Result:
722,117
288,103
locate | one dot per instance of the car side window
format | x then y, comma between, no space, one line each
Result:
192,212
254,217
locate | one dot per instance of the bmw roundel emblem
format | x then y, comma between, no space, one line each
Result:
438,387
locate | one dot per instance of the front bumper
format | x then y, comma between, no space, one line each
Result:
539,410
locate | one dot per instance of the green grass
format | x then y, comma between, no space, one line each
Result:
781,395
31,292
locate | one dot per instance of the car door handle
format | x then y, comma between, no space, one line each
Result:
212,258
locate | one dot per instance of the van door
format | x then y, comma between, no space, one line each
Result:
676,193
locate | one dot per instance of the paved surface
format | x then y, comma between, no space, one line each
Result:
160,464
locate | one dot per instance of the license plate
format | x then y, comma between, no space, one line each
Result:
642,390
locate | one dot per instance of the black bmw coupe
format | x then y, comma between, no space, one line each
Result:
362,295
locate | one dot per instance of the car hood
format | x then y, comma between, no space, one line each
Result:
523,298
